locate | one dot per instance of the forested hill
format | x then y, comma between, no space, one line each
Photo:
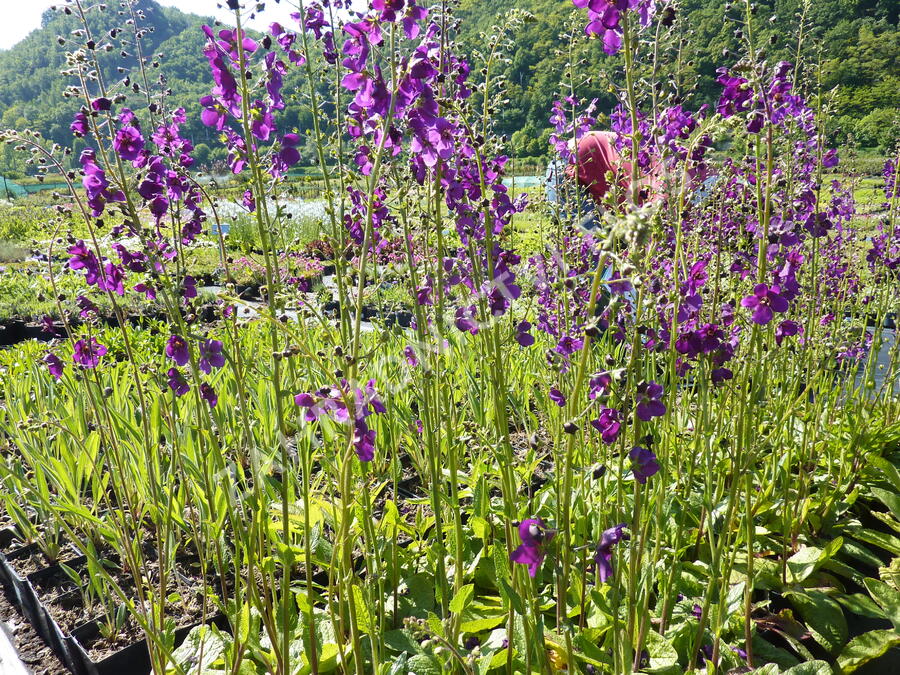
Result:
31,84
857,43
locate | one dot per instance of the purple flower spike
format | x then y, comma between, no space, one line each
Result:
210,355
643,464
87,353
177,350
764,302
649,403
603,555
530,552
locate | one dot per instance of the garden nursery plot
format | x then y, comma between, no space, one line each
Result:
428,417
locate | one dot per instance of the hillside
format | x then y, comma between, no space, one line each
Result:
857,43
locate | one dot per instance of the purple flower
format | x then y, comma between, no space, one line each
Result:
148,291
88,352
764,302
189,287
643,464
79,125
83,258
210,355
557,397
128,143
86,306
786,329
608,425
649,403
531,552
177,383
177,350
736,96
523,334
96,185
101,103
49,326
410,355
568,345
308,401
465,320
114,279
208,394
720,375
213,114
363,441
423,293
54,364
603,555
330,402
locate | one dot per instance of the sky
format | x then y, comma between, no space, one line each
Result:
20,17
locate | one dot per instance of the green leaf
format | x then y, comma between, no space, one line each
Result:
462,599
823,617
765,650
889,499
589,652
421,664
477,624
401,641
804,562
768,669
861,605
420,589
480,527
886,541
888,470
662,654
810,668
509,594
399,666
887,597
861,553
363,618
866,647
501,561
734,601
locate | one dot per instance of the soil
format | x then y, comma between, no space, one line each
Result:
38,658
99,647
63,600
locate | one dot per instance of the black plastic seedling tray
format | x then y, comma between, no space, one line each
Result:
131,660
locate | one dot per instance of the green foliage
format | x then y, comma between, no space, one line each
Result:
857,43
31,82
